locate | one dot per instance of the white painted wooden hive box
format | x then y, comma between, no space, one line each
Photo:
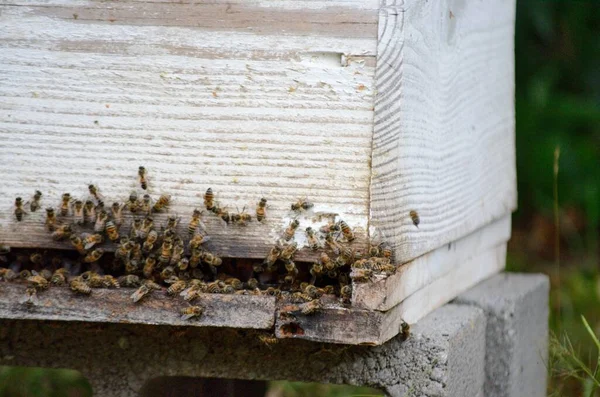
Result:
370,109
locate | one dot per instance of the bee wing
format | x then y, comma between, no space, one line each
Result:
171,280
29,299
139,294
89,245
187,316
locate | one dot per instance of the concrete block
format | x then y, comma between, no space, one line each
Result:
516,307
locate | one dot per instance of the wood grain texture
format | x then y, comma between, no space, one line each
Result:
254,99
386,292
443,141
115,306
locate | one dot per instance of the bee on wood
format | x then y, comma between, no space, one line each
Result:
414,216
24,274
242,218
313,241
117,213
196,257
167,273
228,289
386,268
141,292
235,283
326,261
36,258
62,232
89,211
65,204
50,219
209,198
142,177
346,231
135,231
346,293
332,244
60,276
112,231
94,256
79,286
110,282
165,253
8,274
272,257
292,271
215,287
146,227
95,192
212,259
145,206
252,283
302,204
129,281
261,209
176,255
289,232
37,282
89,240
195,222
93,279
271,291
35,202
132,204
288,251
19,211
312,291
162,203
361,275
176,288
149,265
78,212
100,223
330,228
223,213
30,298
183,264
312,307
191,312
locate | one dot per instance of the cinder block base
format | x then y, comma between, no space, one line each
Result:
444,356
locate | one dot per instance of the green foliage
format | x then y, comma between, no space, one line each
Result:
39,382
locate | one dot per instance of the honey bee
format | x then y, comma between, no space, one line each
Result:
61,232
149,265
183,264
79,286
404,330
272,257
95,192
242,218
30,298
386,268
346,293
50,219
89,211
100,224
129,281
195,288
94,255
268,339
313,241
272,291
346,231
93,279
302,204
215,287
191,312
209,198
223,214
141,292
211,259
112,231
261,211
386,251
135,229
414,216
288,251
111,282
78,212
195,222
362,264
24,274
167,272
7,274
162,203
117,213
312,291
36,258
312,307
176,288
60,276
316,271
332,244
132,204
89,240
196,257
234,282
65,204
37,282
361,275
145,206
330,228
252,283
147,225
142,177
326,261
19,211
289,232
35,202
165,253
124,250
228,289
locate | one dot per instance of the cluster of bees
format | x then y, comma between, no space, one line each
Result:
154,257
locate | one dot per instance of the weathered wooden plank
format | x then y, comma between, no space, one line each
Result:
282,114
115,306
339,324
443,142
385,293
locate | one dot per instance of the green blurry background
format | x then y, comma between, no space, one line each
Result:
557,105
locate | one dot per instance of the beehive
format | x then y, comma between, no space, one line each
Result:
371,109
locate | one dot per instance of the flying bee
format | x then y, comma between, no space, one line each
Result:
19,211
272,256
142,177
209,198
95,192
176,288
37,282
346,231
289,232
112,231
195,222
414,216
191,312
346,293
332,243
242,218
36,258
326,261
302,204
65,204
176,255
35,202
60,276
129,281
288,251
162,203
78,212
61,232
313,241
145,206
132,204
261,209
89,211
212,259
89,240
165,252
79,286
149,265
94,255
312,307
7,274
147,225
117,213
